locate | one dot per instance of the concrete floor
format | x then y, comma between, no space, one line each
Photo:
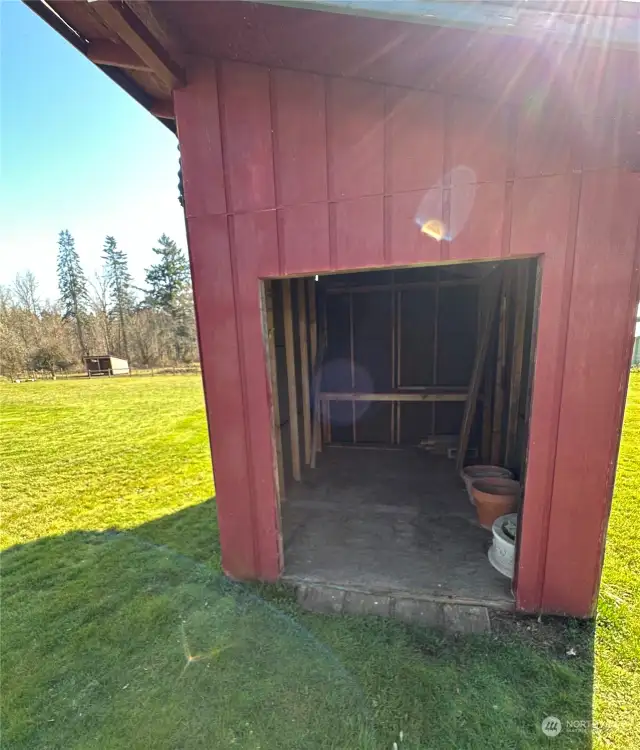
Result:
389,521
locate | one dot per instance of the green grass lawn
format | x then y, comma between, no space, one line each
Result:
118,630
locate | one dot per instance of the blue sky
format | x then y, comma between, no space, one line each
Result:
76,153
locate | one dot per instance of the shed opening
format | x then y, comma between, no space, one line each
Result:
385,384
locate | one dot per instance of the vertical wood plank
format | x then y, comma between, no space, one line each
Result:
544,216
289,347
275,400
353,366
355,122
414,139
398,359
198,122
254,255
544,144
246,130
359,233
520,288
214,302
601,318
325,343
487,411
300,149
304,238
393,356
435,349
313,335
476,376
303,337
479,235
480,138
498,393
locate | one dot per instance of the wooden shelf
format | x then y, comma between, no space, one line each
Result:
440,393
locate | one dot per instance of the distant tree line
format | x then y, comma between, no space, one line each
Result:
105,314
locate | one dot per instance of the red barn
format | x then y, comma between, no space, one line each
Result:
413,232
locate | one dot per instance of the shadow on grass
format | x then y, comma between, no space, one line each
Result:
135,640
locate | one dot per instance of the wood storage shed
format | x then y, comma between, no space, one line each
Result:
413,232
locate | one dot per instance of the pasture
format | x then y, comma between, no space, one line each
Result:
119,631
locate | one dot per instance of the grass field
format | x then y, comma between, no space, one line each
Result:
118,630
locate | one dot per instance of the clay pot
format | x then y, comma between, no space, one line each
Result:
482,471
494,497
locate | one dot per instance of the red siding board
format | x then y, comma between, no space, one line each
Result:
545,146
541,224
596,345
214,300
247,147
479,139
478,234
304,238
200,149
300,137
355,112
255,255
359,233
407,244
414,140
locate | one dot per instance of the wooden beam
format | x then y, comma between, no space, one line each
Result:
303,334
492,296
520,288
397,397
353,369
291,380
398,360
313,323
498,393
105,52
392,428
326,432
121,19
487,411
487,382
316,441
436,320
275,399
406,285
319,407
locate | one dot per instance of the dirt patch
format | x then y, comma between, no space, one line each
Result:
563,637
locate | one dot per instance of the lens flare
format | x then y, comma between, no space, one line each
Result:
434,228
460,183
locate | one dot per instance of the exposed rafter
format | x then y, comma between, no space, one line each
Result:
120,19
104,52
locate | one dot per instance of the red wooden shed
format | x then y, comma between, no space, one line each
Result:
413,232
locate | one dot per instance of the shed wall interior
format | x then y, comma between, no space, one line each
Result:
376,368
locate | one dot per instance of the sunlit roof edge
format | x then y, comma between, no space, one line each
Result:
499,17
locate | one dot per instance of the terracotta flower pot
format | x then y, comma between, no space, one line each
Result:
482,471
494,497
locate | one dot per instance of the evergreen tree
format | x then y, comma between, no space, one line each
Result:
168,280
73,287
120,287
169,291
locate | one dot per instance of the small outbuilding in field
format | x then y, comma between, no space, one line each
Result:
413,232
105,364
